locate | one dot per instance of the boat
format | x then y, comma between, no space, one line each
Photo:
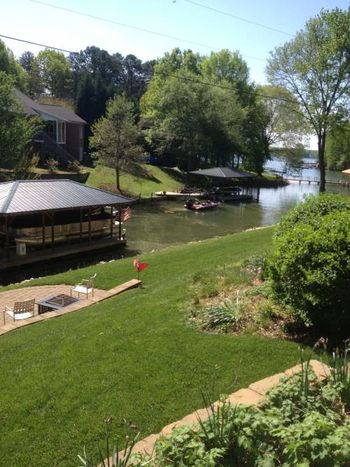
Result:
197,205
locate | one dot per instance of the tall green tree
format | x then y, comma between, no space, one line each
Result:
189,115
54,71
35,85
338,148
115,137
16,130
315,67
9,65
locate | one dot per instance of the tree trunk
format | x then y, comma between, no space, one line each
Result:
321,161
117,179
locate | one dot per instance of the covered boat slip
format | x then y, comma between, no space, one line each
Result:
43,219
220,181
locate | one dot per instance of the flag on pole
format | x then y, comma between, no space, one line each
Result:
139,266
126,214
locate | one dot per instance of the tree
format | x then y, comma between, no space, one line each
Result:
338,148
9,65
191,117
114,141
16,130
54,71
314,67
29,63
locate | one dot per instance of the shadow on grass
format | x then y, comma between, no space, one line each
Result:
56,266
138,171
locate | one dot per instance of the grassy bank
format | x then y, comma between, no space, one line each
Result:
133,357
146,180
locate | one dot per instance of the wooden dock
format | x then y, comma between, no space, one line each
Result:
311,181
178,195
47,254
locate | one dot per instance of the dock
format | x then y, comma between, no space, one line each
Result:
59,251
178,195
311,181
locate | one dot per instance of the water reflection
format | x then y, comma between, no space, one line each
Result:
166,223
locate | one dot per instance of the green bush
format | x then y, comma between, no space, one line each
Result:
222,317
310,266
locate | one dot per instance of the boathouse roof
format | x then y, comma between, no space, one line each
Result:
222,172
33,196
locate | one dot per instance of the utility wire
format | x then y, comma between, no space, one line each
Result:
225,13
37,43
181,78
130,26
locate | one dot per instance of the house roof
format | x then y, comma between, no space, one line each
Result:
222,172
30,196
58,112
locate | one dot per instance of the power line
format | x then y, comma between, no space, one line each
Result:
225,13
130,26
181,78
37,43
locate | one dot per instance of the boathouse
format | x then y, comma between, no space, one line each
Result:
44,219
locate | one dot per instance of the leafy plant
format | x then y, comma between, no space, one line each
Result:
74,166
223,316
310,267
52,164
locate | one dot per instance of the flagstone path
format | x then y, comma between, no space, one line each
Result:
253,395
39,293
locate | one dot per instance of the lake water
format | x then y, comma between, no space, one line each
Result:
166,223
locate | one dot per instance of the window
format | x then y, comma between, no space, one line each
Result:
50,129
61,132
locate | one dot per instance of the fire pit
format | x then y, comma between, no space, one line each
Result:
55,303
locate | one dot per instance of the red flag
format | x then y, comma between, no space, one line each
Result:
126,214
139,266
142,266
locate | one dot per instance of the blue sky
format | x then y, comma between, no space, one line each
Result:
30,20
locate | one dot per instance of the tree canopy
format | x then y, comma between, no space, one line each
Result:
16,131
315,67
204,110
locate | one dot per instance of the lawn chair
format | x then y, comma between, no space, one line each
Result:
86,287
21,310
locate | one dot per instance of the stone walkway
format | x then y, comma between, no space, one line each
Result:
9,297
253,395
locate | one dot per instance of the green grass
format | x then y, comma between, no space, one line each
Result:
146,180
132,357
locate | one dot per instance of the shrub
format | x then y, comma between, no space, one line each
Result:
52,164
222,316
310,267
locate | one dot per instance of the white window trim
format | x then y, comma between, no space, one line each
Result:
58,133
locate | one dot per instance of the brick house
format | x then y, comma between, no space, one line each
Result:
62,137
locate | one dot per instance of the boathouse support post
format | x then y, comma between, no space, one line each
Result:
43,230
89,219
52,229
80,224
7,239
111,222
120,222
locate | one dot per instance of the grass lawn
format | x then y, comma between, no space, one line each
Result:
133,357
145,181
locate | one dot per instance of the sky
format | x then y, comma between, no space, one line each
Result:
193,24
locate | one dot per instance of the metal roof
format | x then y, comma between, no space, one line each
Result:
222,172
28,196
57,112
